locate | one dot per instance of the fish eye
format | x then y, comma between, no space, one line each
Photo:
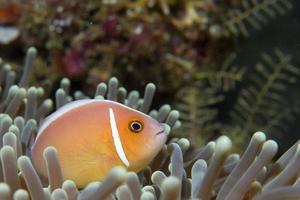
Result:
136,126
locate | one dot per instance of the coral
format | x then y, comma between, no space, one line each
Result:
123,38
224,78
197,102
265,97
240,101
254,14
197,113
237,100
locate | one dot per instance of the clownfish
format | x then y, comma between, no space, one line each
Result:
93,136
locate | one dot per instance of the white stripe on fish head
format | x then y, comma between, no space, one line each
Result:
116,138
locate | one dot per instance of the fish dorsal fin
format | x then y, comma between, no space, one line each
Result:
66,108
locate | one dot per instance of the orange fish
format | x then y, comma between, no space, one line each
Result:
93,136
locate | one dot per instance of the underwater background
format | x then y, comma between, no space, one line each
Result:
230,68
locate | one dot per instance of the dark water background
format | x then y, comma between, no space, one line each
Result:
283,33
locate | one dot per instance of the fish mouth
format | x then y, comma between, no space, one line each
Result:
160,132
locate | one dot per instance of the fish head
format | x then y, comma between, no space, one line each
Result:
142,136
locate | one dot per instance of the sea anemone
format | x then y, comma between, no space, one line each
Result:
179,171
